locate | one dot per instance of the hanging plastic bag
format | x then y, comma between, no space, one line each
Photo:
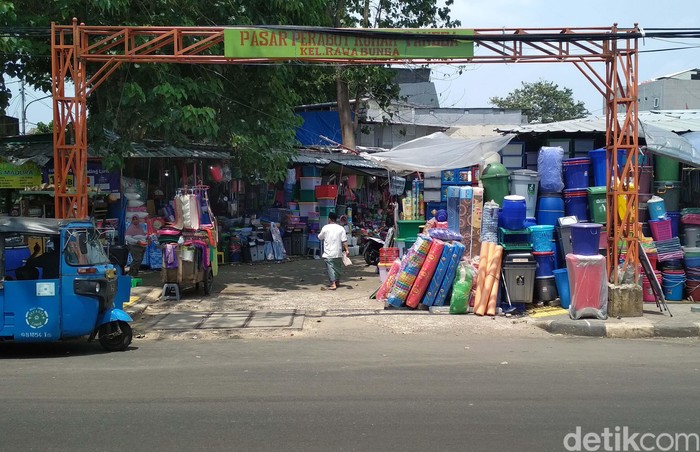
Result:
549,165
459,303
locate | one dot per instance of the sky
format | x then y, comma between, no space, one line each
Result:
478,83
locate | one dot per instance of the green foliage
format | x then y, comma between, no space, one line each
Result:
42,127
250,107
376,82
543,102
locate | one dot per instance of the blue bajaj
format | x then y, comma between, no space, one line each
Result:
58,283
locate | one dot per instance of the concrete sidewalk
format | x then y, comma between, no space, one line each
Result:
684,322
297,286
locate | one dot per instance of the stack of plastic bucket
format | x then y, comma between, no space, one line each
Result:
576,172
525,183
576,203
545,286
550,207
692,269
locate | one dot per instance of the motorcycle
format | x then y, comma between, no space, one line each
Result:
373,245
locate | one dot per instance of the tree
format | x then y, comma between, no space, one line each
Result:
248,107
376,82
543,102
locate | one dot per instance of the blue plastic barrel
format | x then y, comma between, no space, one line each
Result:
576,204
561,278
513,213
598,160
550,207
545,264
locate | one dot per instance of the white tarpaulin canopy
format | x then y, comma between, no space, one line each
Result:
685,148
437,152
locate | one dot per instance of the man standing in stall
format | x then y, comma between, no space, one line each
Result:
335,243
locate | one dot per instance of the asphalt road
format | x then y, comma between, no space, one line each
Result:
398,393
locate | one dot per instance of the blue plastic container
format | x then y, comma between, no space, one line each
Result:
656,209
576,204
598,159
585,238
545,264
673,287
513,213
561,278
576,172
541,237
675,218
550,207
530,221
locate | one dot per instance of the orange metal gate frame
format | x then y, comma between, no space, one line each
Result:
74,46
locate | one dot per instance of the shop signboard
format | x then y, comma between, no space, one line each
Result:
106,181
347,44
19,176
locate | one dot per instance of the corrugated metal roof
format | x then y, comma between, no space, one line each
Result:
140,150
310,157
677,121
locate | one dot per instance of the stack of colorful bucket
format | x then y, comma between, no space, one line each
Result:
326,195
692,270
576,184
670,258
544,252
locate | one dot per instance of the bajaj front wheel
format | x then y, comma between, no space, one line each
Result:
115,336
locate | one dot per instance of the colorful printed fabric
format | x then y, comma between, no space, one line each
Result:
412,263
438,275
450,272
389,281
425,275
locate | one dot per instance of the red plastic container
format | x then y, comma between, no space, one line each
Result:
586,279
388,255
326,191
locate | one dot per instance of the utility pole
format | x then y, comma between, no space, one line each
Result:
23,119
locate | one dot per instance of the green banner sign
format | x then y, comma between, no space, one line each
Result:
19,176
296,44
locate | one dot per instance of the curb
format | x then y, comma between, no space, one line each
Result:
135,310
599,328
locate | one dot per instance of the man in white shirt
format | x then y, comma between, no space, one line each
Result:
335,243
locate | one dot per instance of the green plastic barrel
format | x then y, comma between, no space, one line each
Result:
495,179
666,168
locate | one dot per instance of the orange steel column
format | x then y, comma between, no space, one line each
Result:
70,128
622,139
